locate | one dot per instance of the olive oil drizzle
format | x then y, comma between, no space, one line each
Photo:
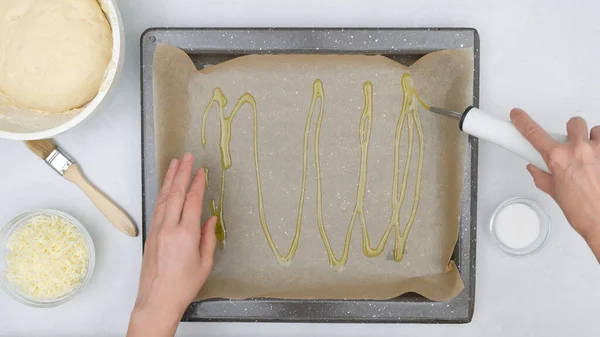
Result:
409,116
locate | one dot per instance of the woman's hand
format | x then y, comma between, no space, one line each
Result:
574,178
178,255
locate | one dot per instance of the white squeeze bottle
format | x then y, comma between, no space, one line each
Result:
498,131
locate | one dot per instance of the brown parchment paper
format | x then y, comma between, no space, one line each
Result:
282,87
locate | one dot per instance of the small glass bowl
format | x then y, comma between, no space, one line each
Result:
21,221
538,243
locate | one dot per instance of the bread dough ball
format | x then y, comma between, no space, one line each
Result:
53,53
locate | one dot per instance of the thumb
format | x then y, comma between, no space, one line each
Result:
542,179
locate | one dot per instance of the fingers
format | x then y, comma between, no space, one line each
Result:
208,241
577,129
159,210
176,195
542,179
595,134
192,208
537,136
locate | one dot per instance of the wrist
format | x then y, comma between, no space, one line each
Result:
592,237
154,314
594,244
153,321
590,231
162,314
159,303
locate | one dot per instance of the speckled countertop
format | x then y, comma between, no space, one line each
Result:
538,56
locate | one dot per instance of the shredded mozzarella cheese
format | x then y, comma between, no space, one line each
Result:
47,258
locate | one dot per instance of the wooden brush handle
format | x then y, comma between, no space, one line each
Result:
113,213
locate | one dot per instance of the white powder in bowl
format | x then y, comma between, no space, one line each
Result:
517,226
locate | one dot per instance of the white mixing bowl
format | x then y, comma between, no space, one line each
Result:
22,124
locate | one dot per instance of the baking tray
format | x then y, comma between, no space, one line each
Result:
207,46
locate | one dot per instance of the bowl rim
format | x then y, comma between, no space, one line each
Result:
5,233
111,78
545,227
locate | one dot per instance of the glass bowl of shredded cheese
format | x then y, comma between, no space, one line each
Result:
46,258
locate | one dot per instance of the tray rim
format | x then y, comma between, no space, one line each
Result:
466,298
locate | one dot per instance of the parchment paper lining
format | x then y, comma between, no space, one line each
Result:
282,87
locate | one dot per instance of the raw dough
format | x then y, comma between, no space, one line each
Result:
53,53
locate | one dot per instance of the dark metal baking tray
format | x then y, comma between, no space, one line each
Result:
207,46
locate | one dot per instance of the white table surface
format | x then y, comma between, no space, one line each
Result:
540,55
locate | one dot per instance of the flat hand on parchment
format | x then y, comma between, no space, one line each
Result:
574,178
178,255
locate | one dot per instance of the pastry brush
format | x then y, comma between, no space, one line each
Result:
500,132
66,167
